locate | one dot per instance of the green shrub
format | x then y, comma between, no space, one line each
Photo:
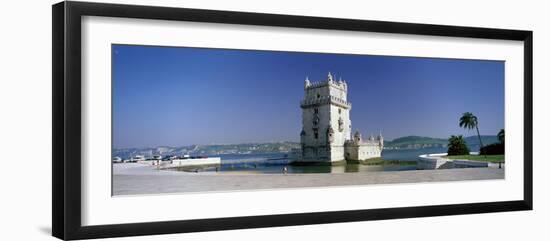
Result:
493,149
457,146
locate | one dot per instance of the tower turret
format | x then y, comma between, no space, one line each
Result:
380,139
357,137
329,77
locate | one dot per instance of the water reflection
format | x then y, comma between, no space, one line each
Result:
259,168
276,162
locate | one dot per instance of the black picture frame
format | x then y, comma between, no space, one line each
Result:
66,159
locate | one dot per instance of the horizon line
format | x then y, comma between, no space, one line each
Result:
272,142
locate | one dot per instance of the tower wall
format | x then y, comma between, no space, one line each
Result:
314,146
325,121
362,151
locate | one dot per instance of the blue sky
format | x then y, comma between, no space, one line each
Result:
180,96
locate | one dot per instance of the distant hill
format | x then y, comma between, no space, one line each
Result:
215,149
406,142
417,142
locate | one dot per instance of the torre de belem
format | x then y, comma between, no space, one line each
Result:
326,135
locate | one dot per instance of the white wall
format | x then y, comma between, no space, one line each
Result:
25,126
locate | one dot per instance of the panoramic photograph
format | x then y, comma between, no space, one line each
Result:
187,119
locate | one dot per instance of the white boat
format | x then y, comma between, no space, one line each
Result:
137,158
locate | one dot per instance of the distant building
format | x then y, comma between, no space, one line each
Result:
326,126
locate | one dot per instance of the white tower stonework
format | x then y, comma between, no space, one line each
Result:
326,126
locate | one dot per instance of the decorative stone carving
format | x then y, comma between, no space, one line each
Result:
316,120
330,134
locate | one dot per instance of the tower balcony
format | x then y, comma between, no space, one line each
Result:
325,100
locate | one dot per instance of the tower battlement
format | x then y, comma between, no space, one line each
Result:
341,84
325,100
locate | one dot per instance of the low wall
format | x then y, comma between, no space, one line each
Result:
433,161
148,162
469,163
496,165
437,161
191,162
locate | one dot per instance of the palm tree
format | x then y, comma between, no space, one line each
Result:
500,136
469,121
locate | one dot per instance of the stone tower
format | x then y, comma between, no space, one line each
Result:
326,124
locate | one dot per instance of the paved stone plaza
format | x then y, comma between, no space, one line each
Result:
130,179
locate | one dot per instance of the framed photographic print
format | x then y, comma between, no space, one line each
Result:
170,120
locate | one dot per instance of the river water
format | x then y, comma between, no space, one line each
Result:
410,154
278,162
